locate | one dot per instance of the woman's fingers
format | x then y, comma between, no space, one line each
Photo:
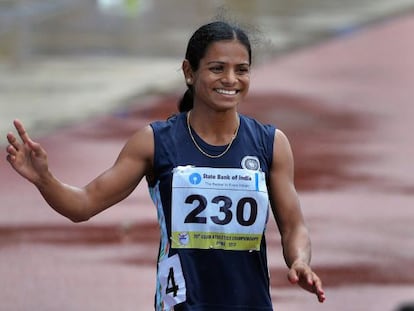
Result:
11,149
21,131
20,149
14,143
293,276
303,275
25,141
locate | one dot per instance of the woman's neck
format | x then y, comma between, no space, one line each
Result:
215,128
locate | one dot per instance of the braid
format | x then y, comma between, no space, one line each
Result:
186,102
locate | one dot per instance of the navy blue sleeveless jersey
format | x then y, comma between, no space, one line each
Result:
227,275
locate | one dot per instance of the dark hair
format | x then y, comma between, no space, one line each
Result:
200,42
406,307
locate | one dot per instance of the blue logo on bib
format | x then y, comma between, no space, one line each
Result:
195,178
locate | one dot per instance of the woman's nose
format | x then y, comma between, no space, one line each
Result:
229,77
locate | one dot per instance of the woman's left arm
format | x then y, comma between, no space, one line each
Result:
287,212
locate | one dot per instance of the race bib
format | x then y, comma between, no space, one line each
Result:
220,208
172,282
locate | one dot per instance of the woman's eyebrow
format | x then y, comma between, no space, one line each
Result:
223,63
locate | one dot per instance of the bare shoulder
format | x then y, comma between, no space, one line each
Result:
140,146
280,137
282,149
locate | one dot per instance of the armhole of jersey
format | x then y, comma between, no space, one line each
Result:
153,178
272,133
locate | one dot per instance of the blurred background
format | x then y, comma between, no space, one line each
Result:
71,59
155,28
336,75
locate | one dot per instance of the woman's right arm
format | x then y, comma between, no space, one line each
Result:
29,159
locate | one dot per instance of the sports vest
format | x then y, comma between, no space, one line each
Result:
212,214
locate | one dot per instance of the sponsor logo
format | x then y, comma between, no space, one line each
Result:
250,163
195,178
183,238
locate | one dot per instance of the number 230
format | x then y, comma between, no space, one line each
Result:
225,208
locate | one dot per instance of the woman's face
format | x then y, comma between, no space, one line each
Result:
223,77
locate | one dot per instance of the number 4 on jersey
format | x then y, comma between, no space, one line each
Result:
172,287
170,276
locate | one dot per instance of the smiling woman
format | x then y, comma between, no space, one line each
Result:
224,52
214,176
223,77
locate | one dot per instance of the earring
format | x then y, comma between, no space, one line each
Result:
189,81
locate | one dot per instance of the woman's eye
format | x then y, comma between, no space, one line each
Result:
216,69
243,70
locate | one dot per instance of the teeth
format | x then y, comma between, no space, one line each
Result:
226,92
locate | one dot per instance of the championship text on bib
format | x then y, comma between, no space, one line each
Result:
221,208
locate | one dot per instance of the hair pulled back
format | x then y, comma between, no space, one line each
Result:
197,47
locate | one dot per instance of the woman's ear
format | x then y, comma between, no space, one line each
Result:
188,72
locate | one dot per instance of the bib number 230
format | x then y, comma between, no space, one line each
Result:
245,210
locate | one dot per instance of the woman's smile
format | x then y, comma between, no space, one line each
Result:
227,92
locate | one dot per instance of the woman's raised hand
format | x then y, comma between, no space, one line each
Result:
27,157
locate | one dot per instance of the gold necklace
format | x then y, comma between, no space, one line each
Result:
201,150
